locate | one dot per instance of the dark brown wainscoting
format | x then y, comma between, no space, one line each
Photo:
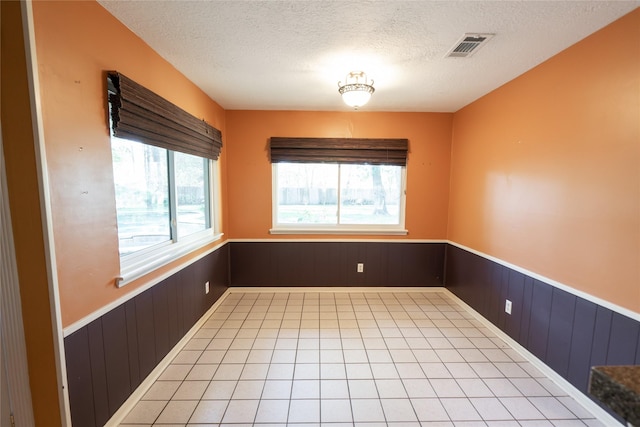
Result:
334,264
109,358
568,333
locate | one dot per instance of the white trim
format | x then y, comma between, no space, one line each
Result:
339,230
274,194
565,385
12,340
142,262
215,188
107,308
45,206
137,265
336,240
140,391
580,397
599,301
369,229
337,289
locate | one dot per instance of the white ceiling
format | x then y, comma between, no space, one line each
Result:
290,55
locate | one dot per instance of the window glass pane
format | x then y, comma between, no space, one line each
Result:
191,193
142,194
307,193
370,194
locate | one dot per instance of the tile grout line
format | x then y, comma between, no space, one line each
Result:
448,304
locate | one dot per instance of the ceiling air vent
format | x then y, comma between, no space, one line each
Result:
468,45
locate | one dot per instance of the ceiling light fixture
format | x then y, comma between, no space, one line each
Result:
356,89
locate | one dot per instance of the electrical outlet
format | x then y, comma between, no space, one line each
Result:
507,307
206,287
360,268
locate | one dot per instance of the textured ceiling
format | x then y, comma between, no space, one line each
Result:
289,55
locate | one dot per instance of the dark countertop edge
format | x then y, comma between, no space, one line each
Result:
618,387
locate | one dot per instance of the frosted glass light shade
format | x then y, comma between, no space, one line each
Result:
357,90
356,97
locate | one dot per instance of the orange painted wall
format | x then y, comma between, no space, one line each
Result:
543,173
24,200
545,170
249,170
76,43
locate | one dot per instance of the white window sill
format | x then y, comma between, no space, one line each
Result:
339,230
135,266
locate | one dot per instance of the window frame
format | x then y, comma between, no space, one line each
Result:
370,229
139,115
144,261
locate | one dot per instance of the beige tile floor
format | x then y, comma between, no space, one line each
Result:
351,359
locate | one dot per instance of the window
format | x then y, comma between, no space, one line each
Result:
341,195
141,177
164,167
338,186
145,178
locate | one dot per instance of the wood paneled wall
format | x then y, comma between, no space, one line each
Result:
568,333
334,264
109,358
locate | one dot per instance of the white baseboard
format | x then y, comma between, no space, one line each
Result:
565,385
139,392
562,383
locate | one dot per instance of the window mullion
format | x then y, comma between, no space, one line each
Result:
173,203
339,192
207,192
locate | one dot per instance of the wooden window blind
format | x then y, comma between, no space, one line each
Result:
340,150
141,115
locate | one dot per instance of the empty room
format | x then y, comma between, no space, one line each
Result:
306,213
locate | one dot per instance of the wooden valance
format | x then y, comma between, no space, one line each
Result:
373,151
141,115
